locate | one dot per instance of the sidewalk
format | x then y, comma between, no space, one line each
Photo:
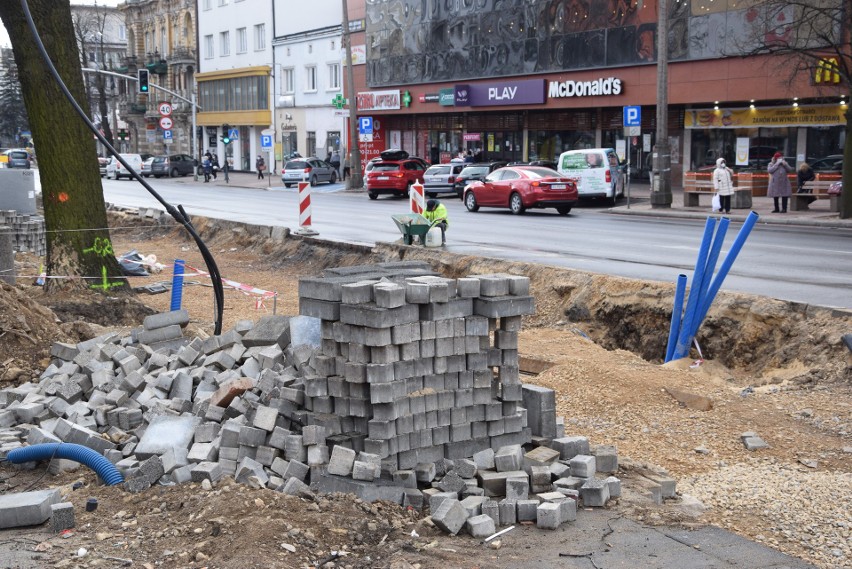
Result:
640,204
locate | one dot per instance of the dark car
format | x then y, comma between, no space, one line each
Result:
173,166
831,163
394,174
312,170
522,187
441,179
546,163
474,172
17,158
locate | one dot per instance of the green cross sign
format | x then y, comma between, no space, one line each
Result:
406,99
338,101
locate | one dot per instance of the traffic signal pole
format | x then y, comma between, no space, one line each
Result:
191,102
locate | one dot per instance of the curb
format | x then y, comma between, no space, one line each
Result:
836,224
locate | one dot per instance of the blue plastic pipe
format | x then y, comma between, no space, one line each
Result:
177,285
745,230
677,312
69,451
710,267
685,336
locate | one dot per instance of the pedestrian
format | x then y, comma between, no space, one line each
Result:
805,174
347,170
215,165
779,183
335,161
723,183
227,168
436,213
328,157
207,165
468,157
260,166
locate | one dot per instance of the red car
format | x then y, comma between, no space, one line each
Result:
522,187
394,174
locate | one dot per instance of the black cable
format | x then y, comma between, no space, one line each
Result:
180,216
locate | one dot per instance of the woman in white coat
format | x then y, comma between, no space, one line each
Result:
723,183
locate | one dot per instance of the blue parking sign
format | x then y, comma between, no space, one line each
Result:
365,125
167,134
633,116
266,141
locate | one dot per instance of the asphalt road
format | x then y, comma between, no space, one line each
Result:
803,264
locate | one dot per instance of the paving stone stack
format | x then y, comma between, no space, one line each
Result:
393,384
410,361
27,231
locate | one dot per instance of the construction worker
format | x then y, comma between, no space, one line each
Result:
436,213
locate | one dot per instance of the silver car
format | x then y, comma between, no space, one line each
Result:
311,170
441,179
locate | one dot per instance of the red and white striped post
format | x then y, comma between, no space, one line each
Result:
305,210
418,203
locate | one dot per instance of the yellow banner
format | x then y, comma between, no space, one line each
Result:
823,115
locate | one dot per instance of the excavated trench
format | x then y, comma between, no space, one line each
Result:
768,339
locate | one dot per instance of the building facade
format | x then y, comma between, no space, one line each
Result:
234,86
102,41
525,81
310,117
161,37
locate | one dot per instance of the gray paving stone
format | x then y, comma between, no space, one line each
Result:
526,510
595,493
450,516
569,447
480,526
27,508
269,330
62,516
548,516
583,466
341,461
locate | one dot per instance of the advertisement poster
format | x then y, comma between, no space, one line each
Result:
490,143
372,149
742,151
815,115
621,149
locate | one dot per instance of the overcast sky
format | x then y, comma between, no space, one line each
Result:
4,37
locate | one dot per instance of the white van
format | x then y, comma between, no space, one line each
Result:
116,171
596,170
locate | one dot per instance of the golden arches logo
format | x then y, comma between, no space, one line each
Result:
827,71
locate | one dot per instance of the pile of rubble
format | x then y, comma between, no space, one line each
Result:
393,384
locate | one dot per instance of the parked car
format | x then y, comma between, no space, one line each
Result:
441,179
17,158
522,187
147,165
831,163
311,170
394,174
597,172
116,171
546,163
174,165
474,172
102,165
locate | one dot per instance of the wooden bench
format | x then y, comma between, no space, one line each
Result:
694,189
817,190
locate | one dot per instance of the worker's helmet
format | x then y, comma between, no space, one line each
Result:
431,205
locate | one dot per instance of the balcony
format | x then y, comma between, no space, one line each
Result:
138,108
182,55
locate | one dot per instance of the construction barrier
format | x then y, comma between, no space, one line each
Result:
418,203
305,209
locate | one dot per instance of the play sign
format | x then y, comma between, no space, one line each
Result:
166,123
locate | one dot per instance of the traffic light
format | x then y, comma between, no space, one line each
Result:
226,140
142,76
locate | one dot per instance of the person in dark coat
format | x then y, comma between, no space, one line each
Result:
805,174
779,184
260,166
335,162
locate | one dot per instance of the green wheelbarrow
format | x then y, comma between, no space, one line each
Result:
413,227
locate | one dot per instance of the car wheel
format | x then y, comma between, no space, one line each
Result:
431,195
174,173
470,202
333,177
313,181
373,195
287,185
516,205
158,176
563,209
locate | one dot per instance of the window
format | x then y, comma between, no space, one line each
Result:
208,46
260,37
122,32
224,43
334,76
310,78
288,82
223,2
207,4
242,40
311,143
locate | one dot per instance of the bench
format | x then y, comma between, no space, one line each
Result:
816,190
694,189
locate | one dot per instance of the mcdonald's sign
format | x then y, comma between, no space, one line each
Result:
827,72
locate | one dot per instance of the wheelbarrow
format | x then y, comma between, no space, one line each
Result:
413,227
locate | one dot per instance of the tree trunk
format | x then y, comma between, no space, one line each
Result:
78,241
846,194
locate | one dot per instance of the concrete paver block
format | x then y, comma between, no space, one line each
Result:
27,508
450,516
62,516
480,526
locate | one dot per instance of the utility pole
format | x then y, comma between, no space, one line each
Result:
356,180
661,182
